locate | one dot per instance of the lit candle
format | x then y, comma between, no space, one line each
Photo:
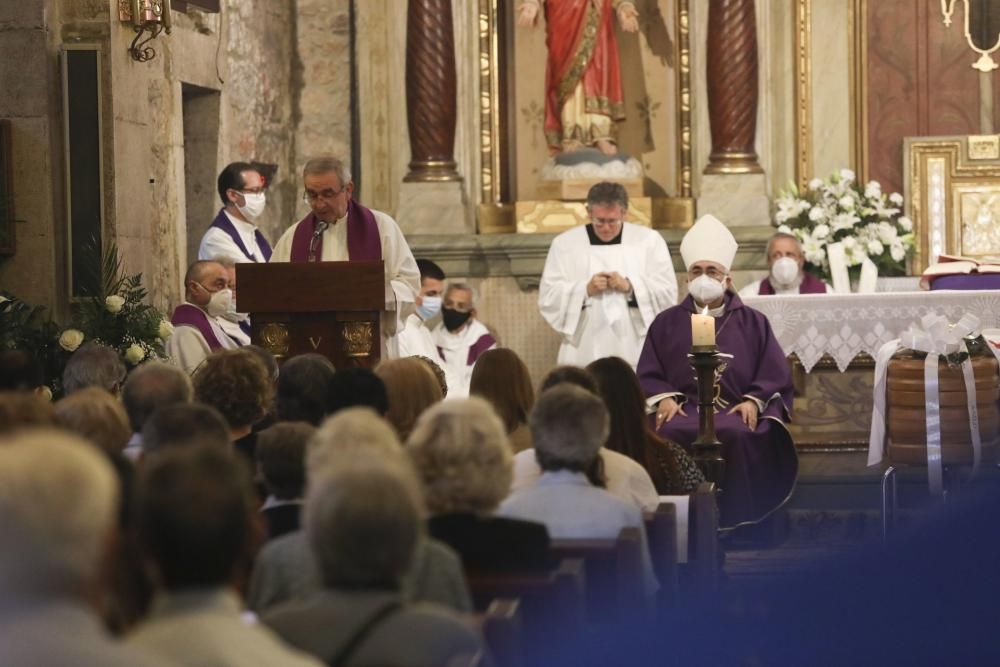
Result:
703,329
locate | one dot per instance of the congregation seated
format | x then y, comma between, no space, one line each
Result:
96,415
184,425
618,474
363,524
303,386
502,378
356,387
194,512
281,467
93,365
673,472
151,386
568,427
464,461
436,368
236,383
58,504
20,371
411,388
286,568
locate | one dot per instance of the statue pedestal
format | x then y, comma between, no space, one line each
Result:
576,189
553,216
735,199
432,208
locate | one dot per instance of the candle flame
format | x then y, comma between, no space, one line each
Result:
704,311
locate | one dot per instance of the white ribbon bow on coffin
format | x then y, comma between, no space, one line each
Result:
935,336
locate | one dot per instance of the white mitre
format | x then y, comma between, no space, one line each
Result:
709,240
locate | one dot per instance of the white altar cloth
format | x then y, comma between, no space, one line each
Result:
845,325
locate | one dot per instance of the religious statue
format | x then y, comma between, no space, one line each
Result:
583,89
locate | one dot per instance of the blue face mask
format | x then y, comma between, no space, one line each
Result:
430,307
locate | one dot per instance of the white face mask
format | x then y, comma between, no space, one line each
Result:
705,290
220,303
231,313
785,270
253,206
430,307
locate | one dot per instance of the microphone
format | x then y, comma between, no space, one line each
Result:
321,226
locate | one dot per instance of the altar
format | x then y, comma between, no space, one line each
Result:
831,341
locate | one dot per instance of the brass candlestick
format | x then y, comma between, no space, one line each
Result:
707,448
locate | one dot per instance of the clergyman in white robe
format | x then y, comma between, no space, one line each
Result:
611,323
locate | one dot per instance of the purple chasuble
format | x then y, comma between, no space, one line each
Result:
810,285
363,240
761,465
223,222
189,315
484,343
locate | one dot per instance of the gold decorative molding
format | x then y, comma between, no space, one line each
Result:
553,216
683,27
984,147
803,93
357,338
274,336
858,35
489,93
950,196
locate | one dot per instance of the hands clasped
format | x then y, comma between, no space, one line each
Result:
668,409
608,280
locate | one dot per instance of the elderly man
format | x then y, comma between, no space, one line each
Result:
236,325
604,282
568,426
234,232
195,513
196,331
753,388
340,229
59,505
461,338
786,273
93,365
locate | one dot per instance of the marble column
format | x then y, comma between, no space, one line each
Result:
733,187
431,197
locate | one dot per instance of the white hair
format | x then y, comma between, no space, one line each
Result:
58,502
350,433
473,295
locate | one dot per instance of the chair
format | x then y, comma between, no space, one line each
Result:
501,628
613,574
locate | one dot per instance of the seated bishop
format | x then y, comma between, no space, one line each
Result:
786,272
339,229
197,332
753,394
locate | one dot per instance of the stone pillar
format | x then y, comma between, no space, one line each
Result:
431,196
732,87
734,187
430,91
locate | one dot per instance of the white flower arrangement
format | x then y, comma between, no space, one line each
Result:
70,339
114,303
868,222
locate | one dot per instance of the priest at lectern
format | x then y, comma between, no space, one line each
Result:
753,396
339,229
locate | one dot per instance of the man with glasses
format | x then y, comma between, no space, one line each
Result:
604,282
234,232
197,332
339,229
753,391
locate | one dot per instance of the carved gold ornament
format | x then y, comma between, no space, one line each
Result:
357,338
985,64
274,336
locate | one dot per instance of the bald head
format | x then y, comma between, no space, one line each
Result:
202,279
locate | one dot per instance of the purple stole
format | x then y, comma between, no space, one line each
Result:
485,342
810,285
223,222
363,240
188,315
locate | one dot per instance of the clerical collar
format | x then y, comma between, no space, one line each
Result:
596,240
714,312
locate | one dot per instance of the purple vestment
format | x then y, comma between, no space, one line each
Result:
810,285
188,315
223,222
761,465
363,239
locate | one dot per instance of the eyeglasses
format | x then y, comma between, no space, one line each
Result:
327,195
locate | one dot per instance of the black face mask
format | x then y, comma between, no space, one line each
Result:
454,319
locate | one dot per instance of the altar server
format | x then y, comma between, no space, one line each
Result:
605,281
753,389
786,271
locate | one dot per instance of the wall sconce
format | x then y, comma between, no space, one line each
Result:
985,64
148,17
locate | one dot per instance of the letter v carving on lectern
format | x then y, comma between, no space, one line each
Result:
315,342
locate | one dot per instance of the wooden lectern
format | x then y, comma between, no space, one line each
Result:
330,308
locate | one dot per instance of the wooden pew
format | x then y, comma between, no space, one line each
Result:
698,567
551,602
502,632
613,575
661,534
